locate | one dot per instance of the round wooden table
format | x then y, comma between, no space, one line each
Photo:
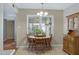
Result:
39,43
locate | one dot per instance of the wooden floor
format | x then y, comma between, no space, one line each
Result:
56,50
9,44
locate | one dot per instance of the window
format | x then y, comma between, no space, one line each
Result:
45,24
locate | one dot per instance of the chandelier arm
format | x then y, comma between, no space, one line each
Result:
42,6
42,13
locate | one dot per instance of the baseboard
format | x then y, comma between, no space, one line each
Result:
21,46
54,45
57,45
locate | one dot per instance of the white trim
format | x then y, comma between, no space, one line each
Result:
22,46
37,15
27,24
57,45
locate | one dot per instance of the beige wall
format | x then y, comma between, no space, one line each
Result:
21,24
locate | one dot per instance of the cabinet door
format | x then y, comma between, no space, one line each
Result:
65,44
76,23
71,24
71,48
77,45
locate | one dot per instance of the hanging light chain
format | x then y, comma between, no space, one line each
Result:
42,13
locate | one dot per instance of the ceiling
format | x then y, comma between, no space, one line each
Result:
10,11
57,6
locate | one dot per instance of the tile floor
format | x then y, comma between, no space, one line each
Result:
55,51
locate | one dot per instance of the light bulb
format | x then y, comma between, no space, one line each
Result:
38,14
41,13
46,13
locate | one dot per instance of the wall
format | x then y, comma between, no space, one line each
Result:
68,11
1,27
72,9
21,24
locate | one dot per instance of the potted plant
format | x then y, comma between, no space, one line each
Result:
39,32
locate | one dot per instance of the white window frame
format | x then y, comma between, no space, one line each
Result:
52,19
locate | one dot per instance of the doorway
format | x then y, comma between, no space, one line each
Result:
9,35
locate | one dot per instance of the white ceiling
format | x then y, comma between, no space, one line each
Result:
10,12
57,6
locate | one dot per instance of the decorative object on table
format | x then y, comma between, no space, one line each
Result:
39,32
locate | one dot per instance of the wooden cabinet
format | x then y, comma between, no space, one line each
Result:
70,47
77,45
65,45
73,21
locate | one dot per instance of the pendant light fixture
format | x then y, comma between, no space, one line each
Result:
42,13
